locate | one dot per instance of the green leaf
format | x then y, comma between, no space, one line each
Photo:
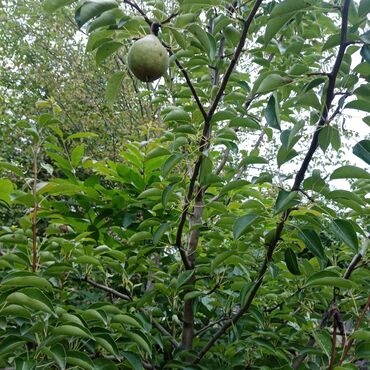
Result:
157,152
285,200
33,281
133,359
138,339
361,335
140,236
77,154
291,261
201,36
289,6
127,320
220,258
313,242
243,223
72,330
192,295
358,104
365,37
349,172
325,137
332,282
107,342
272,82
59,355
108,18
344,230
6,187
177,114
232,185
80,359
52,5
82,135
362,150
106,50
114,87
88,9
274,25
10,343
170,163
160,232
31,298
271,113
365,52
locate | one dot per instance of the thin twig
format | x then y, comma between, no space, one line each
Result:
358,322
114,292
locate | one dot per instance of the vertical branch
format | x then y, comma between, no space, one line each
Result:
297,183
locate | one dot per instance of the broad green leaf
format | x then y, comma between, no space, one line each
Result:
272,114
72,330
108,18
133,359
107,342
160,232
272,82
291,261
140,236
31,298
138,339
359,104
285,200
77,154
82,135
201,36
114,87
274,25
362,150
243,223
88,9
192,295
289,6
252,159
157,152
361,335
325,137
33,281
221,257
106,50
126,320
52,5
234,185
312,242
177,114
10,343
170,163
80,359
6,187
344,230
349,172
59,355
332,281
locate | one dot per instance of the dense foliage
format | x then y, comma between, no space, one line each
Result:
212,219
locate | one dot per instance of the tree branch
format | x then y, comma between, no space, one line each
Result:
358,322
298,180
